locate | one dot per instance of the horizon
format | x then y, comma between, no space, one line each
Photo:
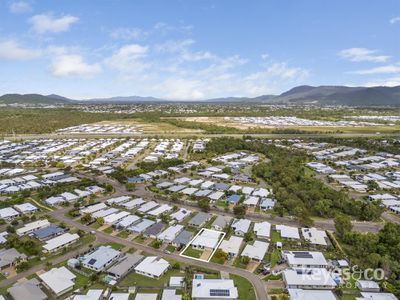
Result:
197,50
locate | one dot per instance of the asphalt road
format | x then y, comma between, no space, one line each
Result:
258,284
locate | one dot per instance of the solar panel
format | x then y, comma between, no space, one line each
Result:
302,254
219,293
92,261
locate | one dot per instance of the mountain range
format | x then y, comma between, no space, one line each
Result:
305,94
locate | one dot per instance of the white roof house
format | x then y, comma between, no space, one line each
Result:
247,190
114,218
261,192
152,266
160,210
60,242
93,208
148,206
104,212
305,259
262,230
377,296
316,278
207,239
127,221
315,236
100,258
251,201
169,234
58,280
26,208
368,286
30,227
300,294
288,232
256,251
214,289
231,246
216,196
8,213
90,295
180,214
241,226
133,203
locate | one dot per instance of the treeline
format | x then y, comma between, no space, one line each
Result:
381,250
297,193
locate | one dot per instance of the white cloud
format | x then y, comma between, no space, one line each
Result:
73,65
379,70
394,20
19,7
128,58
13,51
124,33
362,54
391,81
48,23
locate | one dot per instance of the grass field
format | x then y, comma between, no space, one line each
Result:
245,289
192,252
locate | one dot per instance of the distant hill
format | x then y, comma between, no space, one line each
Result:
341,95
305,94
32,99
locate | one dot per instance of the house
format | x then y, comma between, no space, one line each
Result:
127,221
261,192
8,213
133,203
148,206
154,230
58,280
115,218
48,232
221,222
176,281
26,208
216,196
169,234
92,208
29,289
31,227
288,232
100,259
315,278
233,199
160,210
204,289
141,226
124,266
90,295
315,236
377,296
199,219
146,296
119,296
182,239
10,257
262,230
255,252
267,203
247,190
241,226
206,239
300,294
170,294
59,242
202,193
180,215
305,259
367,286
231,246
152,266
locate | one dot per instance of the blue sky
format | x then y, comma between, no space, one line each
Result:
195,49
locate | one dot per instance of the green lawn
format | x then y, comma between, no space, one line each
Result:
108,230
123,234
245,289
275,236
140,280
170,248
193,252
116,246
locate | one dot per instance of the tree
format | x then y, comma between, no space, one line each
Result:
86,218
342,224
220,256
240,211
204,204
100,221
245,260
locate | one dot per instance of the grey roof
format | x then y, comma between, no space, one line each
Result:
125,264
154,229
8,256
222,221
27,290
183,238
140,227
100,258
199,219
221,186
48,232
